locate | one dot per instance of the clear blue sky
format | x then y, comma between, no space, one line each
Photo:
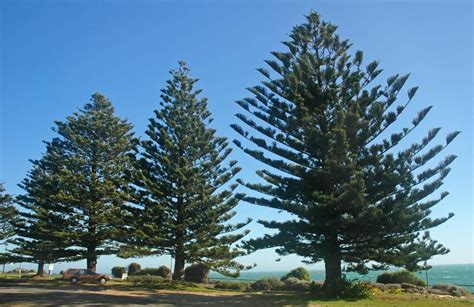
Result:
55,54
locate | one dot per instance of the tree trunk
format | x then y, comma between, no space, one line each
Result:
92,263
178,273
333,270
40,271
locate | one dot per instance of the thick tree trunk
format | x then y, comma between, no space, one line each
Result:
40,271
178,273
332,264
92,263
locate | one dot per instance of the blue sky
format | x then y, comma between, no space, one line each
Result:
55,54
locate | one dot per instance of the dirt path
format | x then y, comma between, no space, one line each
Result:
53,296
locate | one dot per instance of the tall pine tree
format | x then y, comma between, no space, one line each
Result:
8,216
86,184
183,204
8,213
42,221
323,128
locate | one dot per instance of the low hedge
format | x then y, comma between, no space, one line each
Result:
233,285
267,284
162,271
145,280
400,277
295,284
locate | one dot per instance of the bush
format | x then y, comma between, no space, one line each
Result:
158,282
162,271
347,289
117,271
133,268
196,273
232,285
267,284
145,280
295,284
400,277
298,273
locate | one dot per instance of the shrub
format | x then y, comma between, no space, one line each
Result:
267,284
295,284
145,280
349,289
232,285
298,273
117,271
400,277
196,273
133,268
162,271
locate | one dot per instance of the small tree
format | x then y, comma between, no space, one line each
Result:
181,206
117,271
322,124
298,273
133,268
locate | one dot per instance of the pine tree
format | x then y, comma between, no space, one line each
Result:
183,204
7,214
322,126
41,224
86,184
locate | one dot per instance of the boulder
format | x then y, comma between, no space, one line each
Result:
414,288
451,289
437,291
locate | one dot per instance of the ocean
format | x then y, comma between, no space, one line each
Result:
458,274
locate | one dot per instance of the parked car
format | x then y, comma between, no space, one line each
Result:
77,275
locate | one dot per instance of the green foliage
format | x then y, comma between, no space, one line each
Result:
133,268
8,214
181,206
158,282
266,284
197,272
74,194
295,284
345,289
421,250
145,280
298,273
117,271
162,271
321,124
233,285
400,277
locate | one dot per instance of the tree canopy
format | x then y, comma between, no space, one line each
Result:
322,125
184,197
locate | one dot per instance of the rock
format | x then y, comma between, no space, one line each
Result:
413,288
380,286
393,286
437,291
451,289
